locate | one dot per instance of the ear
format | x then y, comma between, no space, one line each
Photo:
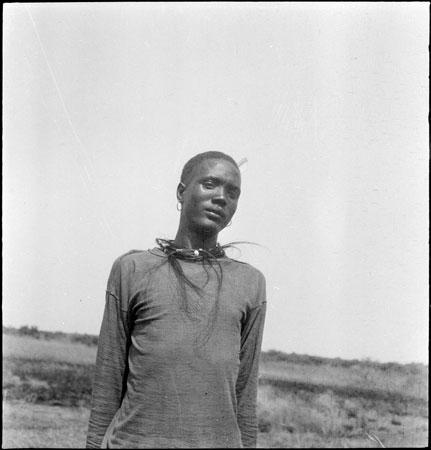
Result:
180,191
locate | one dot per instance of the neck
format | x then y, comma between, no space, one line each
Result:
191,239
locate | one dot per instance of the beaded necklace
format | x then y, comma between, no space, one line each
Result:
190,254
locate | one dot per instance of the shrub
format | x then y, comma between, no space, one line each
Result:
86,339
60,383
29,331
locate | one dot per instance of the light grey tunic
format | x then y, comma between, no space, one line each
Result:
174,377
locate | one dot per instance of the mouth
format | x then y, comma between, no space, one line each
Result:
215,213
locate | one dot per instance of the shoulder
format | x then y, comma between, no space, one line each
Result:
134,260
246,269
130,267
133,255
248,280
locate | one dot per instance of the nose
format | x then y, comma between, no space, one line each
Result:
220,197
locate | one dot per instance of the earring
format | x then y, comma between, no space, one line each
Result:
179,206
229,224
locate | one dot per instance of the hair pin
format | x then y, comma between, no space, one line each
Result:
242,161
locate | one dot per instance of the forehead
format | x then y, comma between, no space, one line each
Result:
218,168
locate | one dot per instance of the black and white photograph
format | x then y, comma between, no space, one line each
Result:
215,224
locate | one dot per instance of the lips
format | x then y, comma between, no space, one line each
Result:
217,212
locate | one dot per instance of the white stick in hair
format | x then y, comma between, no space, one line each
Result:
243,161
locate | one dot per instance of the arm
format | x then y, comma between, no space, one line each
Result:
111,363
246,386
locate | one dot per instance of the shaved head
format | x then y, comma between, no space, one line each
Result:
192,163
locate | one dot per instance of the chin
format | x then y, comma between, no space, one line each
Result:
208,228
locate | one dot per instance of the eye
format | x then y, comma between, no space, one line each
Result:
233,194
209,184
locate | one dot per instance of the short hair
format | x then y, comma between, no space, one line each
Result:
197,159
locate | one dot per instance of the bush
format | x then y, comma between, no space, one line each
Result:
86,339
29,331
48,381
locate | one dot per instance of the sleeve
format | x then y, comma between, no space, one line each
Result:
246,386
111,362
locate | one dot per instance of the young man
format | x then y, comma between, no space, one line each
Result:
179,346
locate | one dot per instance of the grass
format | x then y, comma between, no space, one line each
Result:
330,403
300,419
303,402
62,350
27,425
410,379
52,382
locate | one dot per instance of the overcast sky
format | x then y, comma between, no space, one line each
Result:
104,103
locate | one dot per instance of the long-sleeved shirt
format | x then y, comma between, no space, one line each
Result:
175,371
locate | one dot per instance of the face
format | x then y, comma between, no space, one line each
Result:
210,197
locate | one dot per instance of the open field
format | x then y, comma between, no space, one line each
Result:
29,425
302,401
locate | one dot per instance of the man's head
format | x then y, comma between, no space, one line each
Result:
209,191
194,162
